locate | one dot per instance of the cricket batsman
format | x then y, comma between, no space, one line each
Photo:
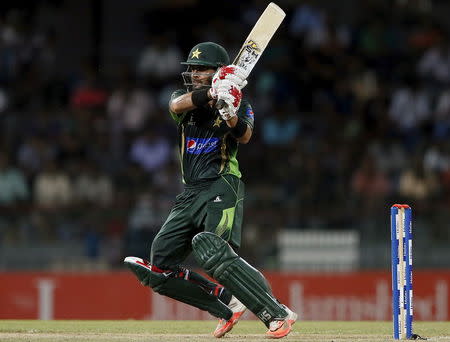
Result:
207,216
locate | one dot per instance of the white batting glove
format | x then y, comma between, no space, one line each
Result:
231,94
226,113
213,93
231,73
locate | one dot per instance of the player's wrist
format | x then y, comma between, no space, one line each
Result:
200,97
209,93
239,128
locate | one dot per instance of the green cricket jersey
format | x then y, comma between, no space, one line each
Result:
207,148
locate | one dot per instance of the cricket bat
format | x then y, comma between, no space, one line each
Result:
258,39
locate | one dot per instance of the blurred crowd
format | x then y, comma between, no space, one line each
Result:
351,116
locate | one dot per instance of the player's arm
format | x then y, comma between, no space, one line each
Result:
190,101
238,127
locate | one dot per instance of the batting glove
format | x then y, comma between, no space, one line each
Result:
231,73
231,94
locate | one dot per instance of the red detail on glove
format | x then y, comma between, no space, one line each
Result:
224,71
237,94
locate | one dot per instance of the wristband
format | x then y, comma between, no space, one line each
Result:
200,97
240,129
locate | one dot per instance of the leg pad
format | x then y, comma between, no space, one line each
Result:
177,288
245,282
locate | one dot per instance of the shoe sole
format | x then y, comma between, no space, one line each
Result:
290,323
229,327
281,335
222,333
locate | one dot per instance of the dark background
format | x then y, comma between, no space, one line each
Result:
352,114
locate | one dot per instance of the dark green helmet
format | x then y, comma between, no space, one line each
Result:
208,54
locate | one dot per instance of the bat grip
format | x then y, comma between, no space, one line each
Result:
220,104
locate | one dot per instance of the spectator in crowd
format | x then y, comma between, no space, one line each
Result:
151,150
363,81
410,108
13,185
308,21
91,187
389,156
88,91
281,128
437,157
416,183
52,188
370,185
143,224
434,65
131,180
159,61
33,154
441,116
130,105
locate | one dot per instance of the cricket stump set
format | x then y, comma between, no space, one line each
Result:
401,255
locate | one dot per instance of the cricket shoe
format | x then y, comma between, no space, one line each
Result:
281,328
225,326
140,267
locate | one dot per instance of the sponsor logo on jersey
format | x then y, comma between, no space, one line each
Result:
201,145
249,112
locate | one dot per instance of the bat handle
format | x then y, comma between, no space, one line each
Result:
220,104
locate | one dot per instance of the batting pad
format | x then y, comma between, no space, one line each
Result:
245,282
177,288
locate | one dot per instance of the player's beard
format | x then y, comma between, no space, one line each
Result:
200,86
192,85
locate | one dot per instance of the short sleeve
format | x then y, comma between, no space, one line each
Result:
245,113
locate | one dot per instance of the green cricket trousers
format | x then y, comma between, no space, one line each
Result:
216,207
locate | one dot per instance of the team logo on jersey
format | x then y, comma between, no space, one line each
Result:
201,145
249,112
217,122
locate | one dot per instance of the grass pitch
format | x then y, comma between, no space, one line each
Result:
193,331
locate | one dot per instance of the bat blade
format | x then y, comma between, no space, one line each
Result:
259,37
257,40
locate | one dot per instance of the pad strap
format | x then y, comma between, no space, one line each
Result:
240,129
